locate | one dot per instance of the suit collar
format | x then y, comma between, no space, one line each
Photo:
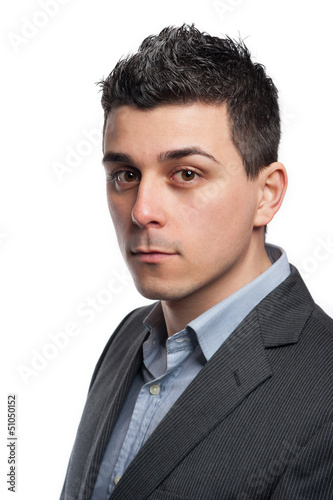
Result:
284,312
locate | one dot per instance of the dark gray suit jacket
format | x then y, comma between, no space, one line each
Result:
255,424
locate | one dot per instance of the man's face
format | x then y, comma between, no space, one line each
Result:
181,203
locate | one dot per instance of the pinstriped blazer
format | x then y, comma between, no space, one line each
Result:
255,424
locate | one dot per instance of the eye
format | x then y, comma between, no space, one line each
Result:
126,176
123,177
185,175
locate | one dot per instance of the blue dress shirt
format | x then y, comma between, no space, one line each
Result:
170,364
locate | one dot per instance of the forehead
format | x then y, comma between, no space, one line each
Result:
168,126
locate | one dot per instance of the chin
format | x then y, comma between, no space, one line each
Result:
153,294
160,292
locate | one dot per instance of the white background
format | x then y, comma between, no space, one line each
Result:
57,247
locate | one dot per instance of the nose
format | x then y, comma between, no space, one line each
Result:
149,207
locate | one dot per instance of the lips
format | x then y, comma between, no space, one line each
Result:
152,255
151,250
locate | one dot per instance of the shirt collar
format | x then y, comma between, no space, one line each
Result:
214,326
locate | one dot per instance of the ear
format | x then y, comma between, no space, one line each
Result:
272,185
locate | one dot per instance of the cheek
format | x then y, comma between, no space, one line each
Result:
239,202
219,216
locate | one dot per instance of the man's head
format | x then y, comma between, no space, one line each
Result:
189,217
182,66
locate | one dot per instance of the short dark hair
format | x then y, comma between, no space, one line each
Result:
183,65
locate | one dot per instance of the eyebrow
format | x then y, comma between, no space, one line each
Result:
111,156
172,154
177,154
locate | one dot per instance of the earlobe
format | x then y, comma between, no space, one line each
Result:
272,185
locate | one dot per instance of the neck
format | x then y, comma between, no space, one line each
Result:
178,313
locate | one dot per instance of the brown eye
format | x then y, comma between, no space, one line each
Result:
188,175
126,176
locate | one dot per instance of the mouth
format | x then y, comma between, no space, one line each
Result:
152,255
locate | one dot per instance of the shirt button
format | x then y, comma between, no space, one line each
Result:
154,389
116,479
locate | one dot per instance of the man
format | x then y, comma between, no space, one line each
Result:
223,388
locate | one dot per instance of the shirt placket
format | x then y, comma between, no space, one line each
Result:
151,397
